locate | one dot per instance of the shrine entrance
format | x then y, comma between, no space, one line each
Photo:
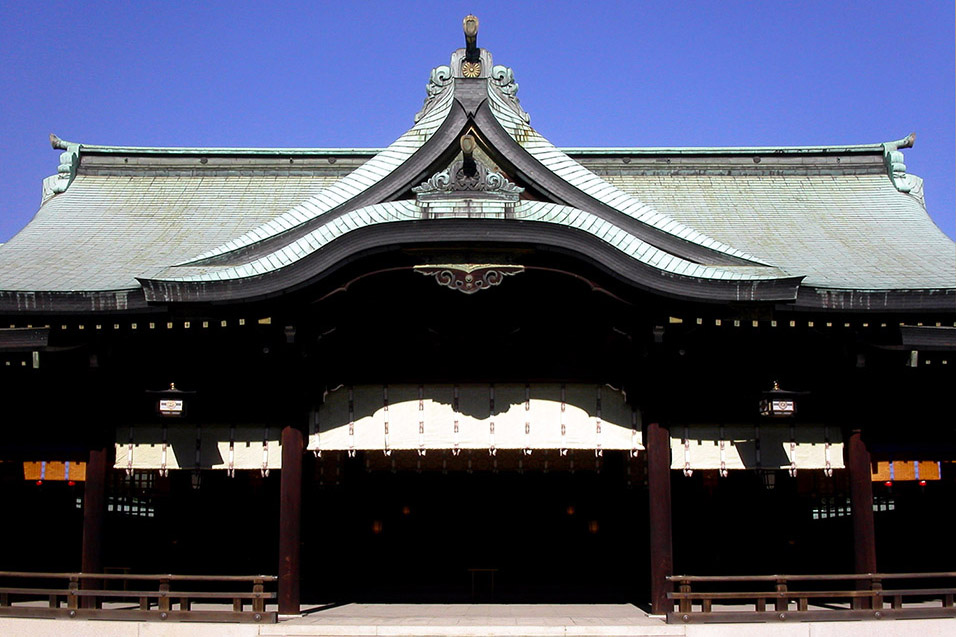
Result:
473,492
507,528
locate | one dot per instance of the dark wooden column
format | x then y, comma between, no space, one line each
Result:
94,513
290,520
861,503
661,545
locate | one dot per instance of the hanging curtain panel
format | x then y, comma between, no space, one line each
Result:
181,445
475,416
906,470
767,446
57,471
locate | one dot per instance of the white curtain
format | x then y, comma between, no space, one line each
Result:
220,447
475,416
767,445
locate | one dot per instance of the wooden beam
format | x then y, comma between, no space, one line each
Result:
661,544
290,520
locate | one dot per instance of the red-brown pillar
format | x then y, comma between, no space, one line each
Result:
94,513
661,545
861,503
290,520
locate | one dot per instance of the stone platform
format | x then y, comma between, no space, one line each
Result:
466,620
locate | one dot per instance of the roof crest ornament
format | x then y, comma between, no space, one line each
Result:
439,79
467,178
503,78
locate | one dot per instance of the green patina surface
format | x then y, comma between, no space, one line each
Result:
842,229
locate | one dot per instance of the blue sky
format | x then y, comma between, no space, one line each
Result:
333,74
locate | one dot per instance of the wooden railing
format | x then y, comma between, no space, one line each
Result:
746,598
148,598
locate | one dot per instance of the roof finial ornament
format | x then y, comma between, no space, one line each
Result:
470,26
471,65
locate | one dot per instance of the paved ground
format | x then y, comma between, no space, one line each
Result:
466,620
475,619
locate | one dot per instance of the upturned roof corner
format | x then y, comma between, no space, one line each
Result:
66,170
895,167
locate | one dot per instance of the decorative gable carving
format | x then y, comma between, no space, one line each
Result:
503,78
468,179
440,78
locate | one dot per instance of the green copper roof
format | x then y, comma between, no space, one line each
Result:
528,211
105,222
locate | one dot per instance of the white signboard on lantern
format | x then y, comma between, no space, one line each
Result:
171,407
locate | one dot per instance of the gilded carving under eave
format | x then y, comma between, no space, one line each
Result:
469,278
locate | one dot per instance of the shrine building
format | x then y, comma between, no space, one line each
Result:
474,361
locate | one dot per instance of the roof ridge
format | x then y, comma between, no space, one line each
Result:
61,144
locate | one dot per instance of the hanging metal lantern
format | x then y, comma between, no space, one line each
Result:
769,478
172,402
778,403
